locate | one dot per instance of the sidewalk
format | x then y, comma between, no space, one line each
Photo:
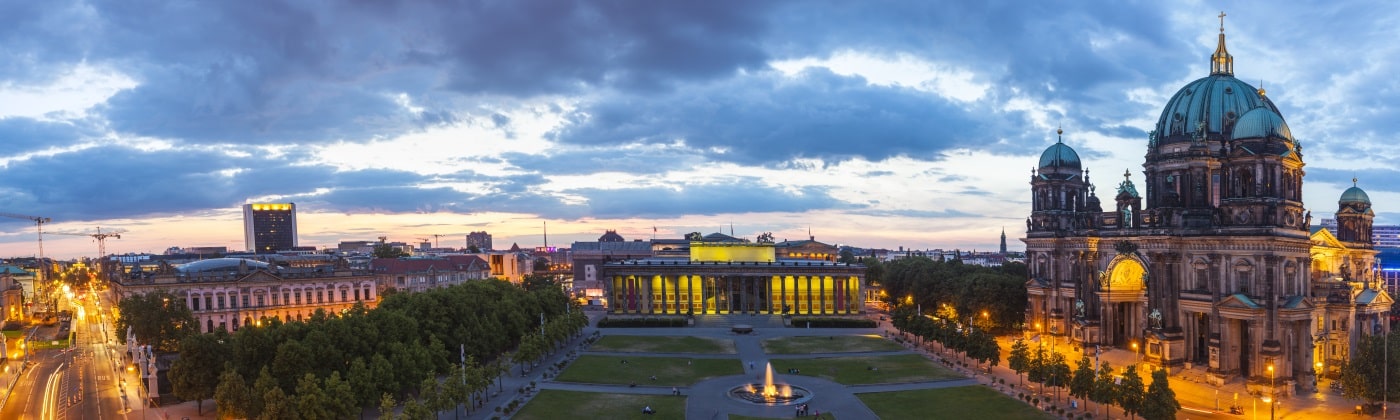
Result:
1192,392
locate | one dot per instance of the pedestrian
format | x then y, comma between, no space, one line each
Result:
750,365
818,414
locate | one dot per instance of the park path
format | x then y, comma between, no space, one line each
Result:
708,399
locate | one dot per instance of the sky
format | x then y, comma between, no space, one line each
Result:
876,124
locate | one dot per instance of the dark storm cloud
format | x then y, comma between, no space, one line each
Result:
280,71
1045,50
742,196
767,120
659,86
36,34
20,134
118,182
112,182
389,199
642,160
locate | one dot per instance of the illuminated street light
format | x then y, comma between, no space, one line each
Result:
1271,392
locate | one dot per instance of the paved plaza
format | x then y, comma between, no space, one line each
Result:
707,399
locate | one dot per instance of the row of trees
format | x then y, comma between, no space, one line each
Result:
1100,385
966,289
392,350
975,343
1366,375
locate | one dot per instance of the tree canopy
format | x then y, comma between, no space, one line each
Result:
965,289
1366,371
159,319
332,363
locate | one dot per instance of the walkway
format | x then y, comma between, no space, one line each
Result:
708,399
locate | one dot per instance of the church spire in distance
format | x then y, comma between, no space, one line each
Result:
1221,62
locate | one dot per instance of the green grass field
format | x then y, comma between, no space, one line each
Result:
669,371
554,404
663,344
858,370
964,402
828,344
825,416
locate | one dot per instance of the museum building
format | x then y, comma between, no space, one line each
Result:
1215,264
731,277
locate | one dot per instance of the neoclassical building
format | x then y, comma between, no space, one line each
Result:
225,293
1213,262
732,278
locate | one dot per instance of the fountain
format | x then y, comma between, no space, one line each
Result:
769,393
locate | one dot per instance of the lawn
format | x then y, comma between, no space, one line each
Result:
867,370
663,344
554,404
825,416
669,371
964,402
828,344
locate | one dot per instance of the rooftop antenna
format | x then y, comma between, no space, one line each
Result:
546,233
731,228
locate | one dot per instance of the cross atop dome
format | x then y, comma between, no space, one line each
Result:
1222,62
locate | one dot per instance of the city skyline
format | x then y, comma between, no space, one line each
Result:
912,125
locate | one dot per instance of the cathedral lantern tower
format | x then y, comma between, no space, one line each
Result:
1060,190
1354,216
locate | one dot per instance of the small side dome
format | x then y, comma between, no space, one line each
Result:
611,236
1261,123
1059,155
1354,195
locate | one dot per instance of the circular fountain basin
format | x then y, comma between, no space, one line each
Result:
752,393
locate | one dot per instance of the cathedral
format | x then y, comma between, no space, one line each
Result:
1213,263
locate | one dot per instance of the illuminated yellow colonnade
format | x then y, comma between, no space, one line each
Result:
733,278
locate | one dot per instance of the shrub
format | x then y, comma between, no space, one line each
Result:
642,322
824,322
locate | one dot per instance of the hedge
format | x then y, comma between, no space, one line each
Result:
834,323
642,322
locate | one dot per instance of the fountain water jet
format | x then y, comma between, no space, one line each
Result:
769,393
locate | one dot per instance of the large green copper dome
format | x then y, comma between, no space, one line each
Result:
1205,105
1207,108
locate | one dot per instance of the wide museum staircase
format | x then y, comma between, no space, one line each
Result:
729,321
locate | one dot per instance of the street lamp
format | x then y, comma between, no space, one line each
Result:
1272,394
1135,353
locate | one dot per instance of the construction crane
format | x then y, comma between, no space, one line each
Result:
39,227
101,238
436,236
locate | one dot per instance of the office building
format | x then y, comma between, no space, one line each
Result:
269,227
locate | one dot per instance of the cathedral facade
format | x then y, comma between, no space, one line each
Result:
1213,263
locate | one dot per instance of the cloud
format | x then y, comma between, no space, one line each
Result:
19,134
769,119
740,196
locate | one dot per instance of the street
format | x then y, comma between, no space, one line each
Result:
78,382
